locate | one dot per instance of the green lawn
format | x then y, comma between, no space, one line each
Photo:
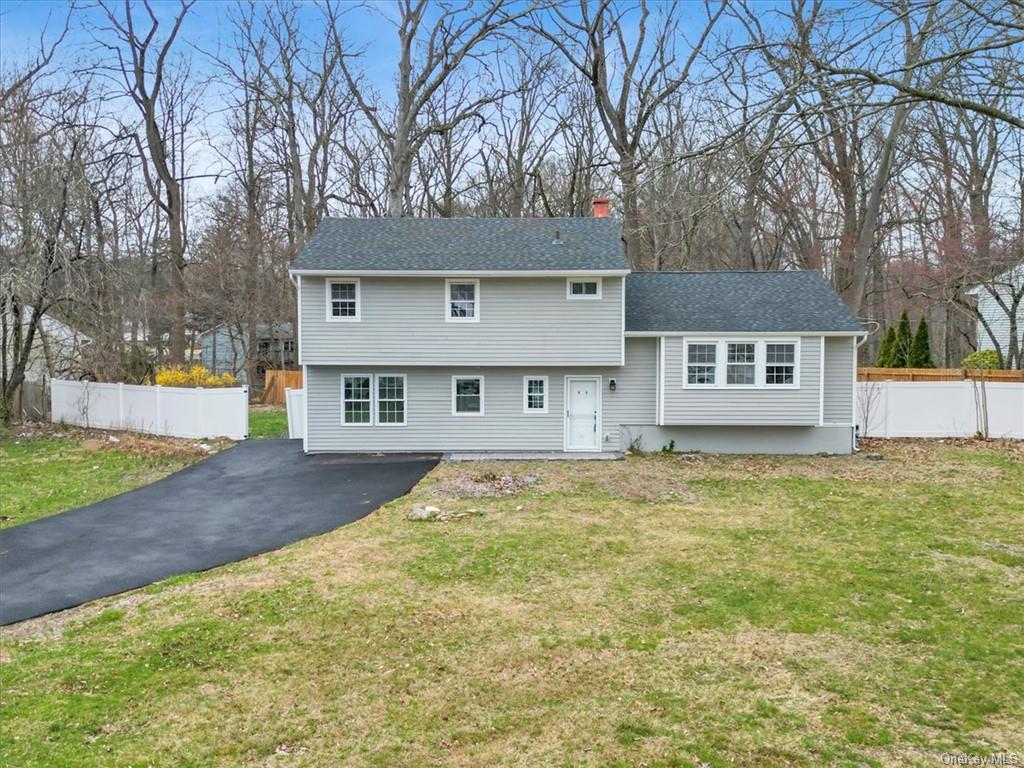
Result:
267,421
657,611
40,477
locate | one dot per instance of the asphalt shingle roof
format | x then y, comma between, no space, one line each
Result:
755,302
464,244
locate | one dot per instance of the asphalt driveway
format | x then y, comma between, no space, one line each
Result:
253,498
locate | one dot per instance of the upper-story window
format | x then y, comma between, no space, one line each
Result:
343,300
586,288
462,301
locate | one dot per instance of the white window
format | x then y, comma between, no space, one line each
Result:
741,364
357,399
780,364
462,301
701,364
467,395
343,300
368,399
588,288
391,399
535,394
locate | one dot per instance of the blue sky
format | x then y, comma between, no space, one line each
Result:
207,26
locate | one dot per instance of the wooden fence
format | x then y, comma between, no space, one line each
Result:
936,374
276,383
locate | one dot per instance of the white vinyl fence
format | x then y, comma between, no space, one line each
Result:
172,411
295,403
940,408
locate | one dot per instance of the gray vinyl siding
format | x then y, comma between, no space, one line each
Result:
839,372
523,321
430,425
725,406
998,320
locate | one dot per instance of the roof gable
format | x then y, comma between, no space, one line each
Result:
735,302
464,245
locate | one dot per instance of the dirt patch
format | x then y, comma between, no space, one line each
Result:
461,486
130,442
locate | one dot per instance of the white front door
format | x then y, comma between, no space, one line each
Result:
582,413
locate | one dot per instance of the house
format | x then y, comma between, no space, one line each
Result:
56,349
56,352
513,335
1007,286
225,347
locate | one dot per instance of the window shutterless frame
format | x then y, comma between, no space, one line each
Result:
391,400
582,288
387,389
467,396
535,390
352,393
456,299
782,350
330,300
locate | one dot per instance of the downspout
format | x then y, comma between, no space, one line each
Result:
857,346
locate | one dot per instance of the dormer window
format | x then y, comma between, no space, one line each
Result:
462,301
583,288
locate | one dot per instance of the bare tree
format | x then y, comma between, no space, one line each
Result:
144,68
429,58
631,76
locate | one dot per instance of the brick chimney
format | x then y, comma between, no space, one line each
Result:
600,208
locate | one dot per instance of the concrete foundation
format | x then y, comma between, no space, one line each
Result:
778,440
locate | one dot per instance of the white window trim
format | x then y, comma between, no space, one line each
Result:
357,425
468,414
686,363
359,300
723,366
796,363
374,400
760,362
448,298
568,288
547,394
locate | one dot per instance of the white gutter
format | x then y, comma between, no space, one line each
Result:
458,272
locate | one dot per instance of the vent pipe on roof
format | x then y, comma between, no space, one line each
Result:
600,207
558,238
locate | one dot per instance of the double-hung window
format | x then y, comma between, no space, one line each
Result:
741,364
343,300
462,301
390,399
357,399
535,394
467,395
780,364
701,364
369,399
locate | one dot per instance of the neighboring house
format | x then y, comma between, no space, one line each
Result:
1006,286
533,335
224,349
56,349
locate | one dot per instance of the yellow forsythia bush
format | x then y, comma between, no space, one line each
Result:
195,376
